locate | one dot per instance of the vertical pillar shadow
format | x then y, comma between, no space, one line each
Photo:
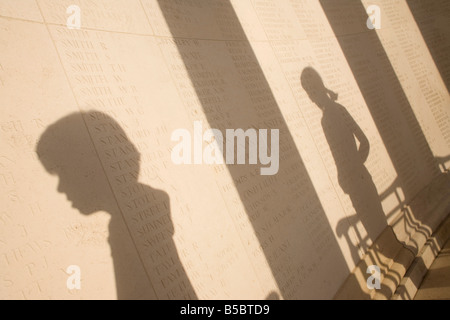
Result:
433,19
294,234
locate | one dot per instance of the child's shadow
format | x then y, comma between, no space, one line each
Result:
341,132
98,170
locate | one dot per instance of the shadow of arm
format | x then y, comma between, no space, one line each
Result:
364,145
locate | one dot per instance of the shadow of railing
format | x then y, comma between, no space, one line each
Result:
414,225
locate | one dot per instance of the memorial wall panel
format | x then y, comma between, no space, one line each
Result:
116,157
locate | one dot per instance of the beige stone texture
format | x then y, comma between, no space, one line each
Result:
86,171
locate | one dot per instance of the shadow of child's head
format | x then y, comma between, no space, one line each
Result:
66,149
315,88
